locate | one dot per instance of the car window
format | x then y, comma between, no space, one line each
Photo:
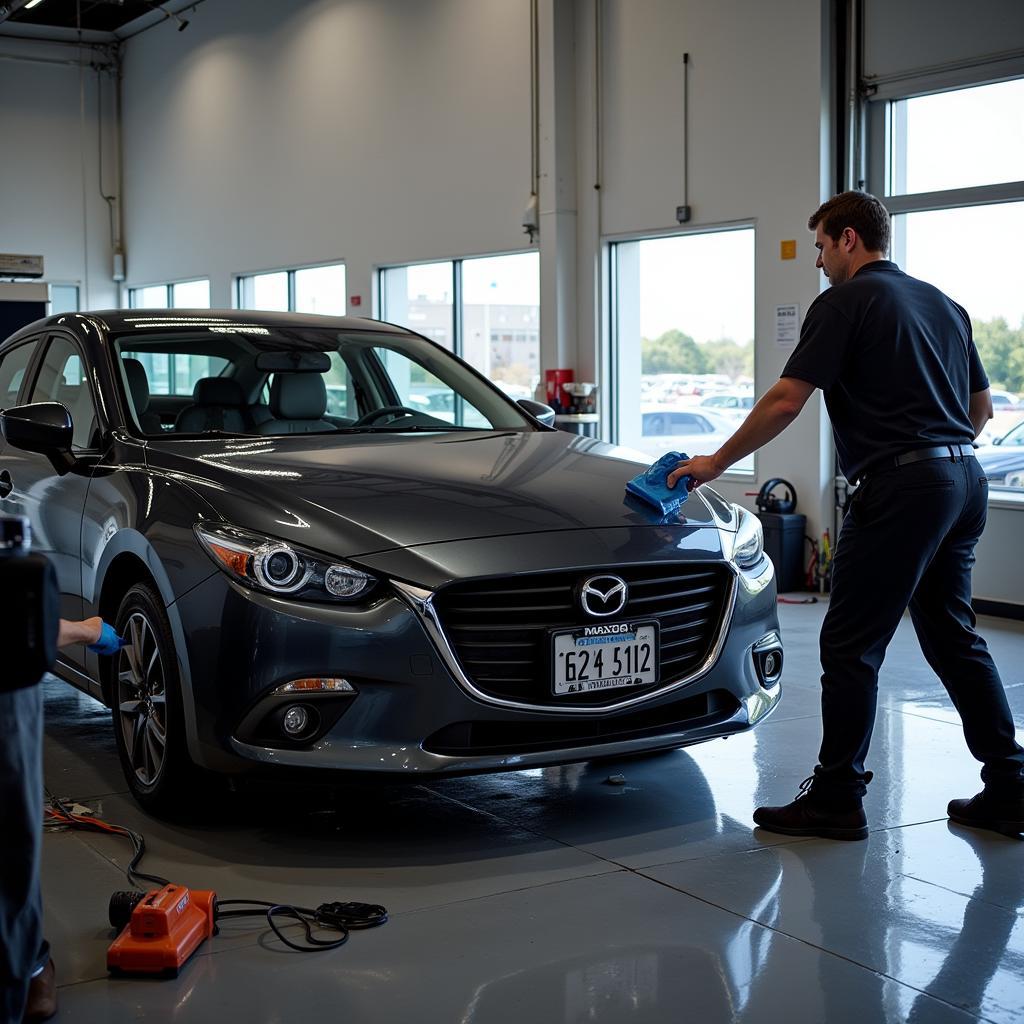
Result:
176,373
325,381
420,390
62,378
12,372
1015,436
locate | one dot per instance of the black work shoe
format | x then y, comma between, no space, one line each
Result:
806,816
985,810
42,996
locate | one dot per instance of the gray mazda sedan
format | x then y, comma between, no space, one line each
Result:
335,546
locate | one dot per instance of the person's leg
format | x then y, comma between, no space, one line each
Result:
945,624
887,544
892,529
21,816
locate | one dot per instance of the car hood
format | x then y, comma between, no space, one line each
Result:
361,494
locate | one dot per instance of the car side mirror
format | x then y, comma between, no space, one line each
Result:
538,410
43,427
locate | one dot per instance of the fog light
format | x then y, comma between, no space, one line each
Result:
295,720
771,665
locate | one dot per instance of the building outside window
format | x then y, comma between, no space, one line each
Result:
950,167
304,290
683,341
494,324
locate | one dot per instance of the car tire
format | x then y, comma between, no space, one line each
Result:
146,707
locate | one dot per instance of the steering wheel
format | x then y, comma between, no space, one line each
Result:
395,411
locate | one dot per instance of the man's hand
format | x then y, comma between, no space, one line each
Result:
85,632
701,469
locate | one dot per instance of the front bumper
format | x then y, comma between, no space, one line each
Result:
409,714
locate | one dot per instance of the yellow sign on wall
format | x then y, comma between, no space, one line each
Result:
788,249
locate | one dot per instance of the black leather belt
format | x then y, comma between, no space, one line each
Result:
943,451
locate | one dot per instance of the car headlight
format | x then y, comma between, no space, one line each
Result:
749,544
276,567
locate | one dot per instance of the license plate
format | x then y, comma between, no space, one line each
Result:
604,657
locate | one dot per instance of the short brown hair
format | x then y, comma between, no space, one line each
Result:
858,210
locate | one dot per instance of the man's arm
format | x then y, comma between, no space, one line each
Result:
87,631
774,411
980,410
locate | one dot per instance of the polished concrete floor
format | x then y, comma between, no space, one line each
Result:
564,895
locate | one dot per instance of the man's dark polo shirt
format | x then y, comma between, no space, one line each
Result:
896,361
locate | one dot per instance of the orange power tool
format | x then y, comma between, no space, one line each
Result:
161,929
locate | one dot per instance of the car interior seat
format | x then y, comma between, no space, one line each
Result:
298,402
216,405
138,384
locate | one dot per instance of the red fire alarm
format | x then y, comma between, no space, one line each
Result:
356,300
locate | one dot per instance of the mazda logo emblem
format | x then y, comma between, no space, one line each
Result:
603,595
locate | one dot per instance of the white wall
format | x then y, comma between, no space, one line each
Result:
49,167
297,133
755,138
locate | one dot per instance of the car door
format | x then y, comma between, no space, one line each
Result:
15,363
54,503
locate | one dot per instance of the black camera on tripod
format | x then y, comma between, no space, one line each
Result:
29,607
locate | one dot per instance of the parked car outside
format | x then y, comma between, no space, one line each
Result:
688,429
1003,460
733,404
419,585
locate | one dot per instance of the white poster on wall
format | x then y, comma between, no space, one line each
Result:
787,326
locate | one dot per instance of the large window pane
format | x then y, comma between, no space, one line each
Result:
957,139
982,272
150,297
501,320
320,290
190,295
63,298
420,297
265,291
685,341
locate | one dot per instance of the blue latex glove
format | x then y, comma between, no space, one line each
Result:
109,642
651,486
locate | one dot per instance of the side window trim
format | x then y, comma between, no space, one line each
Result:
35,368
24,389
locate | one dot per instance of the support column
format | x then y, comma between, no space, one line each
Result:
557,197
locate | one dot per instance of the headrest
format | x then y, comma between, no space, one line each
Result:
298,396
218,391
138,384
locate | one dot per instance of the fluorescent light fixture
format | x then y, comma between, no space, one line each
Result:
32,3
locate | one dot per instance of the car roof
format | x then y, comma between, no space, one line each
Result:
120,321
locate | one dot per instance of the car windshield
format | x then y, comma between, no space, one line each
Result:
248,379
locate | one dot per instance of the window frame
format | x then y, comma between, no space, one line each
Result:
457,303
168,287
611,347
879,150
45,341
238,280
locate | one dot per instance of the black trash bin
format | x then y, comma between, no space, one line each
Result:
784,545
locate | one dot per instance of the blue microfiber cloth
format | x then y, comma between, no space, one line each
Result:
109,642
651,487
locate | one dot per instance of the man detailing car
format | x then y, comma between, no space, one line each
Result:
907,394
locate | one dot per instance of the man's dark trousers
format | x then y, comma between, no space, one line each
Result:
22,950
908,540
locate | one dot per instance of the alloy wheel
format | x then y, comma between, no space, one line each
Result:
142,700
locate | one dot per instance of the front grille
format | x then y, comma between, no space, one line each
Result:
499,628
485,738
